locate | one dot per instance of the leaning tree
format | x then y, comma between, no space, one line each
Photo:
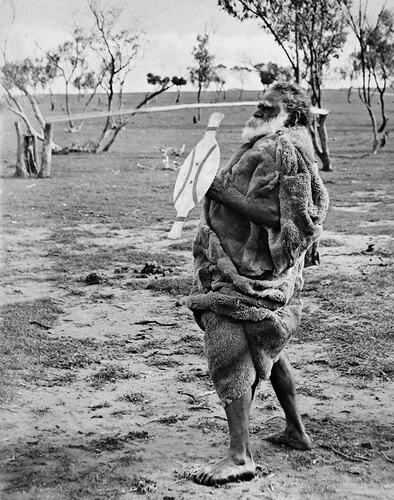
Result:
310,33
20,81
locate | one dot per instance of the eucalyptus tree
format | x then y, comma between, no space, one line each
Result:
202,74
373,60
310,33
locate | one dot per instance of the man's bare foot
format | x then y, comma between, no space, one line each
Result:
226,471
293,439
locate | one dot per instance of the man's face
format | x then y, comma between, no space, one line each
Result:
269,117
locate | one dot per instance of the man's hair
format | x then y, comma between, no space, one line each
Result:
296,103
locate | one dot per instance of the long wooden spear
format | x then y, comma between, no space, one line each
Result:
157,109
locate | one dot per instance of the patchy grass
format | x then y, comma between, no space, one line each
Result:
359,338
352,437
100,478
28,348
111,374
81,259
172,286
142,485
114,442
23,341
134,397
163,361
68,236
182,245
110,192
330,242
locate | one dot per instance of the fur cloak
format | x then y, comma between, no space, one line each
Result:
247,271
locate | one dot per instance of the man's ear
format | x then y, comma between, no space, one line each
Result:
297,116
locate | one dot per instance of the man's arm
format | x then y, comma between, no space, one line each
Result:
261,207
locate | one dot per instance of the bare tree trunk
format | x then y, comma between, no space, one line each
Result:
70,122
46,159
114,136
36,109
14,106
349,93
52,101
105,147
198,100
382,112
104,134
35,151
319,136
323,136
375,144
20,170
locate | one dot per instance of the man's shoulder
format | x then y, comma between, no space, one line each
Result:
294,134
299,138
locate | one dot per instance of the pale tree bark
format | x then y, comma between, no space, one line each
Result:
36,109
21,170
46,159
14,106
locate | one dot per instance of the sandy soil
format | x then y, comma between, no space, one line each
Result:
104,386
142,413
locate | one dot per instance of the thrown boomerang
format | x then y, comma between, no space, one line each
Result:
196,175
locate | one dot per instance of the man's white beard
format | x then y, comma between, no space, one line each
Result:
256,126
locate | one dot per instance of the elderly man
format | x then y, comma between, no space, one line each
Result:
262,216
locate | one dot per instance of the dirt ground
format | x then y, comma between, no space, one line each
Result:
104,386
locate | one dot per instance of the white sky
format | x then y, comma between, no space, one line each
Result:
170,28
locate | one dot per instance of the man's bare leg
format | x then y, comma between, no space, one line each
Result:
238,465
282,381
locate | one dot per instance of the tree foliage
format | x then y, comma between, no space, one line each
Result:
271,72
310,33
179,82
372,60
203,73
24,75
27,76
